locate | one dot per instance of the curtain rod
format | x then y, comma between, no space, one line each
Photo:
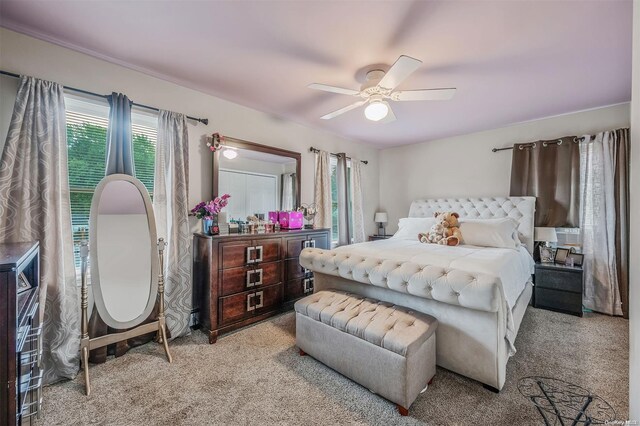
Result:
204,121
533,144
312,149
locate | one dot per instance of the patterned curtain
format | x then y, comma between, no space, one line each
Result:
604,220
170,203
322,190
344,228
34,205
357,201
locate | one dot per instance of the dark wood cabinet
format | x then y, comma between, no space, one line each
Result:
558,288
240,279
20,333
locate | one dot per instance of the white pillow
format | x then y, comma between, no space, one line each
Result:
410,227
499,233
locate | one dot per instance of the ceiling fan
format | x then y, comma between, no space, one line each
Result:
378,88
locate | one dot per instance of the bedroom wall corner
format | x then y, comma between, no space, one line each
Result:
464,166
634,281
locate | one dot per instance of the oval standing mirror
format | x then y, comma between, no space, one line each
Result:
124,262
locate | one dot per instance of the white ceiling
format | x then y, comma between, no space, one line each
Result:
510,60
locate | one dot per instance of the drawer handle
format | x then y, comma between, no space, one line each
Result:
249,299
259,294
251,274
259,250
249,251
312,243
307,285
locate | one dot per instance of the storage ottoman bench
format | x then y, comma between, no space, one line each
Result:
391,350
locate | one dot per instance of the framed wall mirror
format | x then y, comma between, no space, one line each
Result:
259,178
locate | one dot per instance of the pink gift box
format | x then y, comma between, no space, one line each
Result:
273,217
291,220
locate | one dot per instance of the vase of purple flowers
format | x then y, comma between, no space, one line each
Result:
208,211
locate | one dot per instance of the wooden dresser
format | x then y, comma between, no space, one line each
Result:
20,333
240,279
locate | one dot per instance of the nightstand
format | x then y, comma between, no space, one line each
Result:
558,288
379,237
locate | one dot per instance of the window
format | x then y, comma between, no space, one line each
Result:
333,161
87,122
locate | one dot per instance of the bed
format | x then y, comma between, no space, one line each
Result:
478,294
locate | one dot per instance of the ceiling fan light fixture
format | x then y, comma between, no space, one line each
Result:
230,153
376,110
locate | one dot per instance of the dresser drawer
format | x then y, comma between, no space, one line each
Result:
564,301
245,278
320,241
559,280
234,253
236,307
294,246
268,299
268,249
294,270
295,289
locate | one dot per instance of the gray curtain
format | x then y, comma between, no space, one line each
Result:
344,228
604,221
551,173
357,201
119,145
171,206
34,205
322,191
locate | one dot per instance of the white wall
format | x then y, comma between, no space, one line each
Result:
465,166
634,281
26,55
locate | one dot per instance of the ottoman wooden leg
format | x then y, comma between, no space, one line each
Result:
302,353
431,380
403,411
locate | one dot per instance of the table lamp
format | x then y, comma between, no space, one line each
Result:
381,219
544,236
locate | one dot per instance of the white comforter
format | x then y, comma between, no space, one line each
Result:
512,267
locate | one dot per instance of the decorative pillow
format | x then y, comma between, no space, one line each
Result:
499,233
410,227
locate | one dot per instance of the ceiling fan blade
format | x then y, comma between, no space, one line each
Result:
401,69
424,95
390,116
333,89
343,110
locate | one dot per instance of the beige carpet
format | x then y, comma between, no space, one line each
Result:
256,377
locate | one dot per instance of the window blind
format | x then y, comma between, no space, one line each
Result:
87,124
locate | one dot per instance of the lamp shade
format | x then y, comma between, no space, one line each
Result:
546,234
380,217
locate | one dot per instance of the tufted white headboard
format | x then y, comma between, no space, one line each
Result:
521,209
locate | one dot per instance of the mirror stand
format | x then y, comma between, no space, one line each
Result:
87,344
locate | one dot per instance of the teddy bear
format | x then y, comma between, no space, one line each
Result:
445,231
